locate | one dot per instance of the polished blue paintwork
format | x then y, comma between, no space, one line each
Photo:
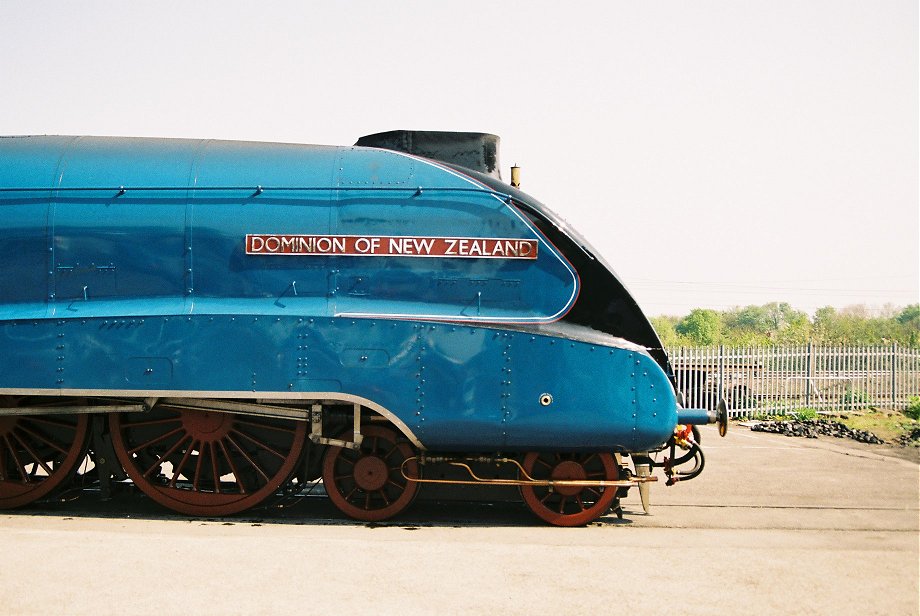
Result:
458,387
178,229
124,273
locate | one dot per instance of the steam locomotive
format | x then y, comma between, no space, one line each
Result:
221,322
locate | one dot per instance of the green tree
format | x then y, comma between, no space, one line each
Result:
780,323
825,323
856,325
767,324
666,327
909,320
701,326
910,315
798,329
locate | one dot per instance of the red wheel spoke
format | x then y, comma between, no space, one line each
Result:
248,458
214,470
236,473
163,457
562,503
44,440
259,443
19,467
390,453
198,460
34,455
155,440
177,470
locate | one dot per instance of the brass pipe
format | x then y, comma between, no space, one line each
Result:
528,481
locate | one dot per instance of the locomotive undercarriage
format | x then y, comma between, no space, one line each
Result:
221,457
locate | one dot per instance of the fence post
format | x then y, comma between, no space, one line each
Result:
809,365
894,374
721,373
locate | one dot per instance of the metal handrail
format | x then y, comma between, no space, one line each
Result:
258,189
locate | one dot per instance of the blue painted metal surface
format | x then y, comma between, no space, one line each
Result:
125,272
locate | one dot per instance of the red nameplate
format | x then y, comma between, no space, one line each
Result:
390,246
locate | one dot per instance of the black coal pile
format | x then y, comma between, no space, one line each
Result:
813,428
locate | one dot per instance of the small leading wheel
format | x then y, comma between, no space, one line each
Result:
570,505
367,484
205,463
37,453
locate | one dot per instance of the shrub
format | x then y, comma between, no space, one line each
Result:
855,397
913,407
805,414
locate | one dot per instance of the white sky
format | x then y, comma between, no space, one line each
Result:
716,153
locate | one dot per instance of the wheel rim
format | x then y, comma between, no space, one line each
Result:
206,463
37,453
368,484
569,505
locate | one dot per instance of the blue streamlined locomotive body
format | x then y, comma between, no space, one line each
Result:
232,319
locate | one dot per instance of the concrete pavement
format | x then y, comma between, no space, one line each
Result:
773,526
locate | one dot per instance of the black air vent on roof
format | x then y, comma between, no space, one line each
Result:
477,151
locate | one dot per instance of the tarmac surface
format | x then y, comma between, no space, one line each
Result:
774,525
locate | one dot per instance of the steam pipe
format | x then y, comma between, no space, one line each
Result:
697,417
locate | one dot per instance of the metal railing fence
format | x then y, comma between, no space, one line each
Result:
758,380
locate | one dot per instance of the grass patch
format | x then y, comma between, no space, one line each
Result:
888,425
